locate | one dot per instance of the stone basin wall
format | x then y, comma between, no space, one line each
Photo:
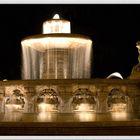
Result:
100,88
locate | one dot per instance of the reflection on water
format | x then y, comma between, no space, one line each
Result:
119,107
119,116
84,107
67,117
13,107
13,116
85,116
46,116
43,107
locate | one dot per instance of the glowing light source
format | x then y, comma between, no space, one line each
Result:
13,107
43,116
56,16
58,45
85,116
52,42
84,107
43,107
119,107
119,115
56,25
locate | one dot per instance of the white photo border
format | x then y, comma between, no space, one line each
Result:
70,2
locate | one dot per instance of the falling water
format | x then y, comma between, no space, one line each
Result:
56,63
56,54
31,63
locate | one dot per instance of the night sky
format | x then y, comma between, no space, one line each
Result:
114,29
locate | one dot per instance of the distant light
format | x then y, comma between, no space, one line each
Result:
56,16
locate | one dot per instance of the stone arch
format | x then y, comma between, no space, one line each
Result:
47,100
83,100
15,99
117,100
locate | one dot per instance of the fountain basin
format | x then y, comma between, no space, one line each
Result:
43,42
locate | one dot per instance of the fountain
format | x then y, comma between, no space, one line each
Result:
56,86
59,55
56,54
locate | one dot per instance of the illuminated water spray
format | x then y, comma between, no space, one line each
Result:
56,54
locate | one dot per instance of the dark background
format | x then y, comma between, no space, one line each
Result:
114,29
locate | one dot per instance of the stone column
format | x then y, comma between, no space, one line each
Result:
2,103
102,99
30,106
134,95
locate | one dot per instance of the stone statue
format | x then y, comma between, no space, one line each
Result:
138,46
135,74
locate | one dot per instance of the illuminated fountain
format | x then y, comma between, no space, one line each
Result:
56,54
63,60
57,90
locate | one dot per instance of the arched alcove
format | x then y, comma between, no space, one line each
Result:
47,100
117,101
83,100
15,101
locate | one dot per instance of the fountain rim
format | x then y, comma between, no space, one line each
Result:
67,35
49,20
